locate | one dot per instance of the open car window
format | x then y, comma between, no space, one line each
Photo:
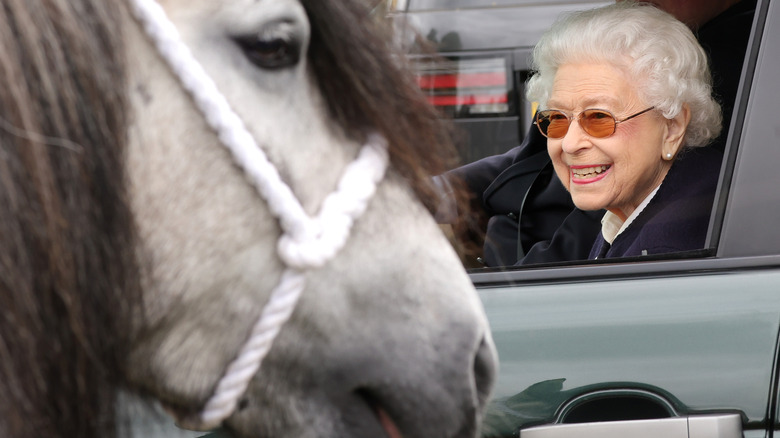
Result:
730,145
478,82
745,208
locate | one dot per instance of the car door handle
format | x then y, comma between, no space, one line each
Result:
694,426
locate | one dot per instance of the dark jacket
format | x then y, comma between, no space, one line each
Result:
522,184
677,217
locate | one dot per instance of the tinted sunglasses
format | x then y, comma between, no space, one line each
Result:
597,123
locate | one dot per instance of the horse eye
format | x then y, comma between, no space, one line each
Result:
270,51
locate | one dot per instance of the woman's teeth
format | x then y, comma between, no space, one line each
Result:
589,172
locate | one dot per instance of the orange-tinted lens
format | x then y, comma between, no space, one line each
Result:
597,123
553,124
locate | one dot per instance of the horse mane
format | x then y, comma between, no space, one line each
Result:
368,85
67,276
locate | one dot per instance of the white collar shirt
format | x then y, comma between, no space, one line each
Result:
612,225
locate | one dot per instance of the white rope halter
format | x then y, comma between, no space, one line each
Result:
306,242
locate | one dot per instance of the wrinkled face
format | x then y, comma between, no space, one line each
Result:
617,172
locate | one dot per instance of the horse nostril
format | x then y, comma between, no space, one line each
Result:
484,371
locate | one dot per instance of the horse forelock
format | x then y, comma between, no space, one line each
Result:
67,277
368,87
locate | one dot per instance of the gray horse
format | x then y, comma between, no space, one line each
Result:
136,256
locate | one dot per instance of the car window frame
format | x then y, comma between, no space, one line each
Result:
726,246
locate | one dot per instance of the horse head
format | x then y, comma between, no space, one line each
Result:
387,335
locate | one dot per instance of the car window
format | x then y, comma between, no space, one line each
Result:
481,89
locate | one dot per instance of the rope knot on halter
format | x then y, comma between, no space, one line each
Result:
329,231
306,243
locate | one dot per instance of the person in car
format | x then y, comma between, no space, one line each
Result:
531,216
627,97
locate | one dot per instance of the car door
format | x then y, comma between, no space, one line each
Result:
665,347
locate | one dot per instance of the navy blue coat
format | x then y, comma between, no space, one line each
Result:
526,203
677,217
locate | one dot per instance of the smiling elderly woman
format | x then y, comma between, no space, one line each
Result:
627,93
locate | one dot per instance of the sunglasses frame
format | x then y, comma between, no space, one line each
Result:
578,117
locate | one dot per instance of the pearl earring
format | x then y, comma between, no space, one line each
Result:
668,156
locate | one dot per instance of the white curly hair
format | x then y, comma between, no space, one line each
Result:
660,54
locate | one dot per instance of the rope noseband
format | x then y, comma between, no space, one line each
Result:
306,242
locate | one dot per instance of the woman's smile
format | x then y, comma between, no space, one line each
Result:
589,174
